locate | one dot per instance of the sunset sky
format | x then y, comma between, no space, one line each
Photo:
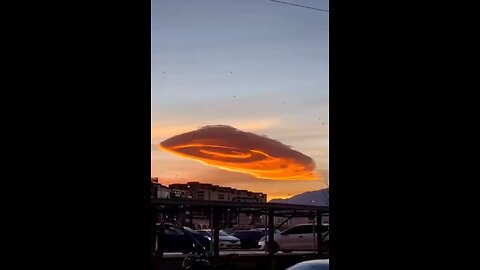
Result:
254,65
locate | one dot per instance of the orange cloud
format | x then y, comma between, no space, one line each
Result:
230,149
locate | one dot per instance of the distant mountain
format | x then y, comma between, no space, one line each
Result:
317,197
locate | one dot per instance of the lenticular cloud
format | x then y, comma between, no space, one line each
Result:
230,149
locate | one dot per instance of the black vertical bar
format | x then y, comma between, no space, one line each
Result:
270,231
315,232
319,233
271,238
210,226
153,234
265,218
216,229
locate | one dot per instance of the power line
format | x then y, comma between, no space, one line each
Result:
292,4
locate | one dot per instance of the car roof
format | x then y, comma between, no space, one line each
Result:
312,264
190,230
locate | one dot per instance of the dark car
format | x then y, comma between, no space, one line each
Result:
264,230
174,239
249,239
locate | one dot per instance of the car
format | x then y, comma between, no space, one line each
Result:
299,237
249,239
311,265
225,240
175,239
264,230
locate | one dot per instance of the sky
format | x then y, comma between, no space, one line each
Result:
255,65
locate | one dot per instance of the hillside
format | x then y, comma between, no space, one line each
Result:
317,197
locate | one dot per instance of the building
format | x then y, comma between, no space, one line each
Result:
158,190
210,192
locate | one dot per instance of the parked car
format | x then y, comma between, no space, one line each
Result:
225,240
249,239
176,240
311,265
299,237
264,230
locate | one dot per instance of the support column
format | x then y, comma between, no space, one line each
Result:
319,233
271,230
153,235
316,232
216,229
265,219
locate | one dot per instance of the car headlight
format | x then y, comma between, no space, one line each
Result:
262,239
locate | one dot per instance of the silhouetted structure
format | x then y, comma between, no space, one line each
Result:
210,192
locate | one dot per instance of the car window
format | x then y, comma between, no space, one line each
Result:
305,229
299,230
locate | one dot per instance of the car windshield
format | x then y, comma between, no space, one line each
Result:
204,233
209,233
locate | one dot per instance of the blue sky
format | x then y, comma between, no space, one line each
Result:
256,65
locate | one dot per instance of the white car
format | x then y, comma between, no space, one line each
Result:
311,265
225,240
299,237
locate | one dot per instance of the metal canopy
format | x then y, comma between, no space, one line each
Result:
216,208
